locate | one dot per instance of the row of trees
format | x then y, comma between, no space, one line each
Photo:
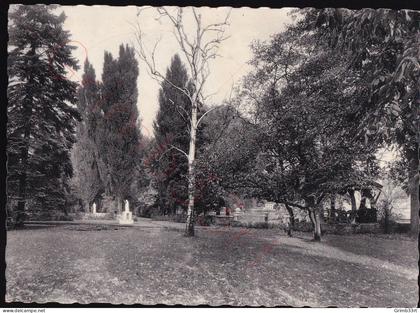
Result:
67,140
107,155
57,128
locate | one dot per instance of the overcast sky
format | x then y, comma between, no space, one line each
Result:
95,29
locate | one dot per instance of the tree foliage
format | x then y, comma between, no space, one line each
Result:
384,45
85,157
119,132
171,130
303,114
41,125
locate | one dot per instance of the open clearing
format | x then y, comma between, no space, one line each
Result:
155,264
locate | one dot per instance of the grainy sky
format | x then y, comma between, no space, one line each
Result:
95,29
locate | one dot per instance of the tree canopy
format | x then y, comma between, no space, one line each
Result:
119,132
41,112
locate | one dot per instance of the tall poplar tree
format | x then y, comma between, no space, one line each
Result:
85,154
41,119
119,133
171,130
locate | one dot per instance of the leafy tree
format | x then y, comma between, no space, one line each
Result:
303,100
235,141
41,119
383,45
223,157
119,132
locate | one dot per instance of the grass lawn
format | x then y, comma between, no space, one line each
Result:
220,266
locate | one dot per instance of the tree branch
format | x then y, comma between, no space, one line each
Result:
172,147
208,111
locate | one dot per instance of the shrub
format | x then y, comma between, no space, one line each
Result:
303,226
205,220
387,203
146,211
236,224
388,223
258,225
64,218
177,218
366,216
387,218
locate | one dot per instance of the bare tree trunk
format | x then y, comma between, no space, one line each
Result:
312,218
162,208
189,227
353,205
386,220
332,207
317,229
24,155
414,175
198,49
314,208
352,200
414,194
316,223
291,220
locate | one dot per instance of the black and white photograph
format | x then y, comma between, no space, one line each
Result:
212,156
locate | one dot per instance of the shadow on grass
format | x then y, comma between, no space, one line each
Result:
32,227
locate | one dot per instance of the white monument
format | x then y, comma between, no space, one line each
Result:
94,208
238,212
126,217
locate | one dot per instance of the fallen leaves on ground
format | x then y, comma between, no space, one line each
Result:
220,266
